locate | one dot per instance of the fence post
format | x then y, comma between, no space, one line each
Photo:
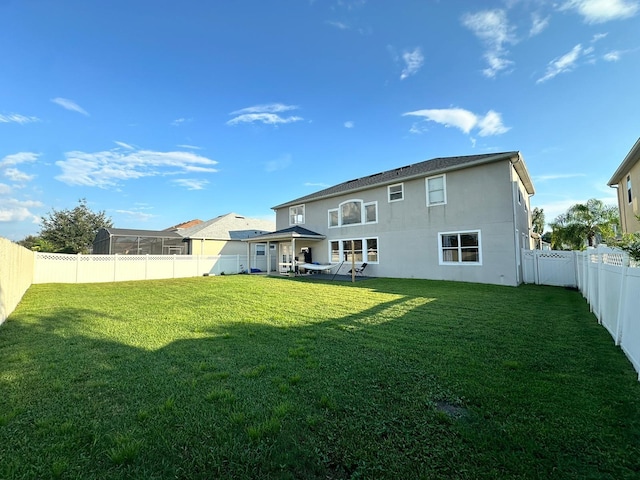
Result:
115,267
146,267
621,302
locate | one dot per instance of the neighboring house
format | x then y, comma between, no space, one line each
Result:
457,218
222,235
627,181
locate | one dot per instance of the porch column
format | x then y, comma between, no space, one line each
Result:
293,254
249,257
268,257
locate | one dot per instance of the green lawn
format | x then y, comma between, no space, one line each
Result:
254,377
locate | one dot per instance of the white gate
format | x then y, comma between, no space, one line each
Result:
549,267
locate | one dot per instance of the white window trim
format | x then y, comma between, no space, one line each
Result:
629,190
337,210
401,185
303,214
460,263
364,248
444,188
363,213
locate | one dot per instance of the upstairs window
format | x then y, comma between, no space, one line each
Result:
333,218
629,197
296,215
353,212
436,190
396,192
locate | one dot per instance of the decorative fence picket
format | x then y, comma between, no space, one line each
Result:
64,268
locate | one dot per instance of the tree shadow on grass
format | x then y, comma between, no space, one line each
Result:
357,395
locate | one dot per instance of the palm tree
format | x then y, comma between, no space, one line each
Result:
585,223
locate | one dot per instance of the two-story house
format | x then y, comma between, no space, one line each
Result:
456,218
627,180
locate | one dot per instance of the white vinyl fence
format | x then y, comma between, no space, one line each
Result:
607,279
65,268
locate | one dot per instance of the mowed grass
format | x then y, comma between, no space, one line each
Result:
254,377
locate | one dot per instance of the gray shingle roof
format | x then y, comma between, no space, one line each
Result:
228,227
433,166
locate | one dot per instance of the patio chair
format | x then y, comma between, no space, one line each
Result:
359,269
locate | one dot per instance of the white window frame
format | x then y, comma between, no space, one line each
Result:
342,252
629,190
337,212
293,216
363,213
444,189
441,260
401,192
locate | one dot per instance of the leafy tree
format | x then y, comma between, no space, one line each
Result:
537,221
584,223
73,231
36,244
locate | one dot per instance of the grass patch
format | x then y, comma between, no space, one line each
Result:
253,377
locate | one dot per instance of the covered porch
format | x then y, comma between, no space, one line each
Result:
291,246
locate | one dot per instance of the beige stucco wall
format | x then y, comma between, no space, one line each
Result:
478,198
628,211
16,275
218,247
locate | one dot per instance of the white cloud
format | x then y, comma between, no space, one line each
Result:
17,118
266,108
538,24
18,158
190,147
180,121
413,62
279,163
5,189
12,210
563,64
612,56
124,145
349,124
488,125
139,216
191,183
109,168
598,36
600,11
491,124
318,185
557,176
69,105
338,25
266,113
266,118
493,29
16,175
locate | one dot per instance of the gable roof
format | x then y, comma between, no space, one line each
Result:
190,223
629,161
428,167
228,227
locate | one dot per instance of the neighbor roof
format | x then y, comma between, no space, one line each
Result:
228,227
131,232
433,166
629,161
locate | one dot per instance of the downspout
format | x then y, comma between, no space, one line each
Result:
515,226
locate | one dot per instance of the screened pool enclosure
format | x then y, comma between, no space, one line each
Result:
123,241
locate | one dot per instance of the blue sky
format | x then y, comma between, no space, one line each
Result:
159,112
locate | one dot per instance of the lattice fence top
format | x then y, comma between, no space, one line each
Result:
555,254
613,259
